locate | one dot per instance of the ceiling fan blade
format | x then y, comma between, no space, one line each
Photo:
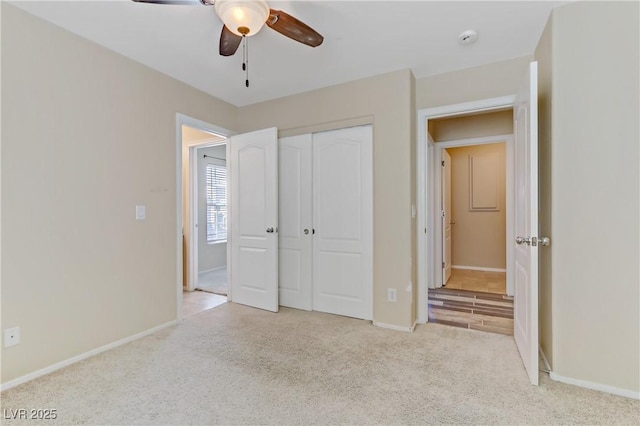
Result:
179,2
229,42
293,28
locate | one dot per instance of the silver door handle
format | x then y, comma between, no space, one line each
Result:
533,241
306,231
270,230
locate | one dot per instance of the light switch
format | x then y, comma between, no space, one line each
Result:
141,212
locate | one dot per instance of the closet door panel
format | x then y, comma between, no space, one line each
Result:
343,222
295,254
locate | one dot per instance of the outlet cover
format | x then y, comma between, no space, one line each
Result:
392,295
141,212
11,336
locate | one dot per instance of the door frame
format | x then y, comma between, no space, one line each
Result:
425,159
193,211
508,140
182,119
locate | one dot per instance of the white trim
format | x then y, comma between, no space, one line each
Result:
484,140
192,214
185,120
425,256
396,327
595,386
545,361
481,105
479,268
57,366
212,269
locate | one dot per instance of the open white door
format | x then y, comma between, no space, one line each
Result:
446,216
254,215
525,318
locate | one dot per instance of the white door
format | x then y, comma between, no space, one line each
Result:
526,222
343,222
446,216
296,228
254,215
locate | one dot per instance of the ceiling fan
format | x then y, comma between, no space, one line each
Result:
244,18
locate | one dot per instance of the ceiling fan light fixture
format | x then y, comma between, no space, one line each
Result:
243,17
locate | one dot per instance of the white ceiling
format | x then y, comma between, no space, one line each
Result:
361,39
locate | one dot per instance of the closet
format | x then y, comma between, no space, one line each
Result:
325,220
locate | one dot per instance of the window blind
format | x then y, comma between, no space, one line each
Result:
216,203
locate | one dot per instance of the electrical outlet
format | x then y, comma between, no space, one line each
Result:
11,336
141,212
391,295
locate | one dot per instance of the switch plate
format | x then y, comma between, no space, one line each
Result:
392,295
141,212
11,336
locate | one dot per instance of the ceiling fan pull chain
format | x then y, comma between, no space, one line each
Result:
246,61
244,54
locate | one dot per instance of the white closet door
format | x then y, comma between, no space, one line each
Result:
343,222
254,216
295,219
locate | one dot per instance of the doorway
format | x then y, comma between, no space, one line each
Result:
202,220
212,213
522,184
471,214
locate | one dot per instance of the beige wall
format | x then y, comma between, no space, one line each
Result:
87,134
594,225
385,101
210,256
471,84
472,126
478,237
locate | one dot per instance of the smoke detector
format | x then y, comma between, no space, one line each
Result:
468,37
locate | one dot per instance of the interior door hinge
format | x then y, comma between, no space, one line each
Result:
442,163
442,265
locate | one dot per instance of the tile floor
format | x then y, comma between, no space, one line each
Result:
471,309
481,281
473,299
194,302
213,281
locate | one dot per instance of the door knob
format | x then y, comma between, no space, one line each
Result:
533,241
306,231
270,230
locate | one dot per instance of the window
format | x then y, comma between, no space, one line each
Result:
216,203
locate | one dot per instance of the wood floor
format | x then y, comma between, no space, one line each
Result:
478,309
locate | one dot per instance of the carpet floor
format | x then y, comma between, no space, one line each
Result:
238,365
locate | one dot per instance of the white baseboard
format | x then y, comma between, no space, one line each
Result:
595,386
212,269
585,384
50,369
479,268
395,327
